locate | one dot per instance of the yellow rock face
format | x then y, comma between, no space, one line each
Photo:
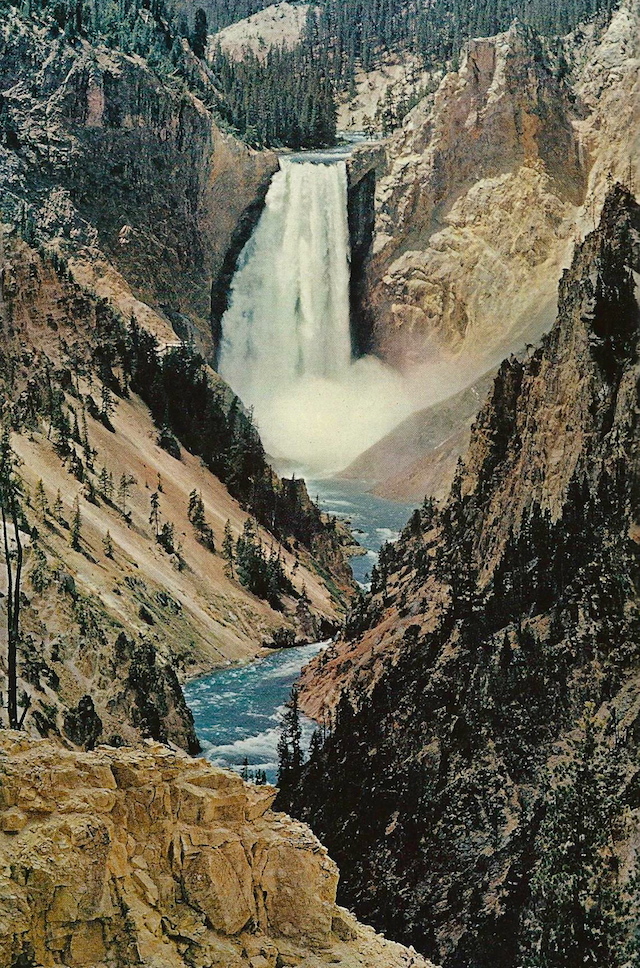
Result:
143,856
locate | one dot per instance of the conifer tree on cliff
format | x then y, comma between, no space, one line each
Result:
578,913
199,38
289,744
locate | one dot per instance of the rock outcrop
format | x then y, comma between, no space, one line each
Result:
127,175
144,857
491,627
488,184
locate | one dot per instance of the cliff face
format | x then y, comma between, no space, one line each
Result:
144,857
487,185
491,626
127,175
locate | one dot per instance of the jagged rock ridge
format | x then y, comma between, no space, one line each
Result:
488,184
490,625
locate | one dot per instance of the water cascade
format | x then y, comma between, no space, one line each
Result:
286,343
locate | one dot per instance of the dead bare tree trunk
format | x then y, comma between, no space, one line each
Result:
12,649
9,507
13,665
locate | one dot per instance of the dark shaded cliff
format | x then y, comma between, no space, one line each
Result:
127,173
363,168
496,629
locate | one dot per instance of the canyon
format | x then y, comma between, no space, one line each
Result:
144,247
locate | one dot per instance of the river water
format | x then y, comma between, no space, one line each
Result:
238,710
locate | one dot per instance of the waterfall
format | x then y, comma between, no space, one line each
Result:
286,342
289,311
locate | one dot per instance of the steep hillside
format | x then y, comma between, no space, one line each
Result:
418,458
491,701
278,24
144,857
126,174
125,585
487,185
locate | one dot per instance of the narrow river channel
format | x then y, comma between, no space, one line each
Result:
238,710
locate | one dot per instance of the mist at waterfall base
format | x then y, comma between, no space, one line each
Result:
286,347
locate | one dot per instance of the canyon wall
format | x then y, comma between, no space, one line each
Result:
127,175
486,187
493,628
111,619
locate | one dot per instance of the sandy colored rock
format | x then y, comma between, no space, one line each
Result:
138,878
488,184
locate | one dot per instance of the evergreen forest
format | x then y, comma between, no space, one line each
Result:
287,97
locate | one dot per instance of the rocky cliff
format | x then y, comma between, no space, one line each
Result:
144,857
492,626
126,174
487,185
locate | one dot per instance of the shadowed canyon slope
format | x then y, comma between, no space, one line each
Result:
127,175
492,625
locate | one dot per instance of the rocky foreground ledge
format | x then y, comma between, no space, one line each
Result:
143,856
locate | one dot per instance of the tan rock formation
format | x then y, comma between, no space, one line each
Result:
280,24
487,185
145,857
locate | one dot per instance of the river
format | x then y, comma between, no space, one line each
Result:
238,710
286,351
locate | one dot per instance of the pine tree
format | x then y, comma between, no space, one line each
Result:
105,483
107,405
107,544
58,508
228,548
124,490
76,525
41,503
578,915
199,37
166,537
154,516
39,575
290,756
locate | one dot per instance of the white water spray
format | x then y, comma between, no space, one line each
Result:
286,345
